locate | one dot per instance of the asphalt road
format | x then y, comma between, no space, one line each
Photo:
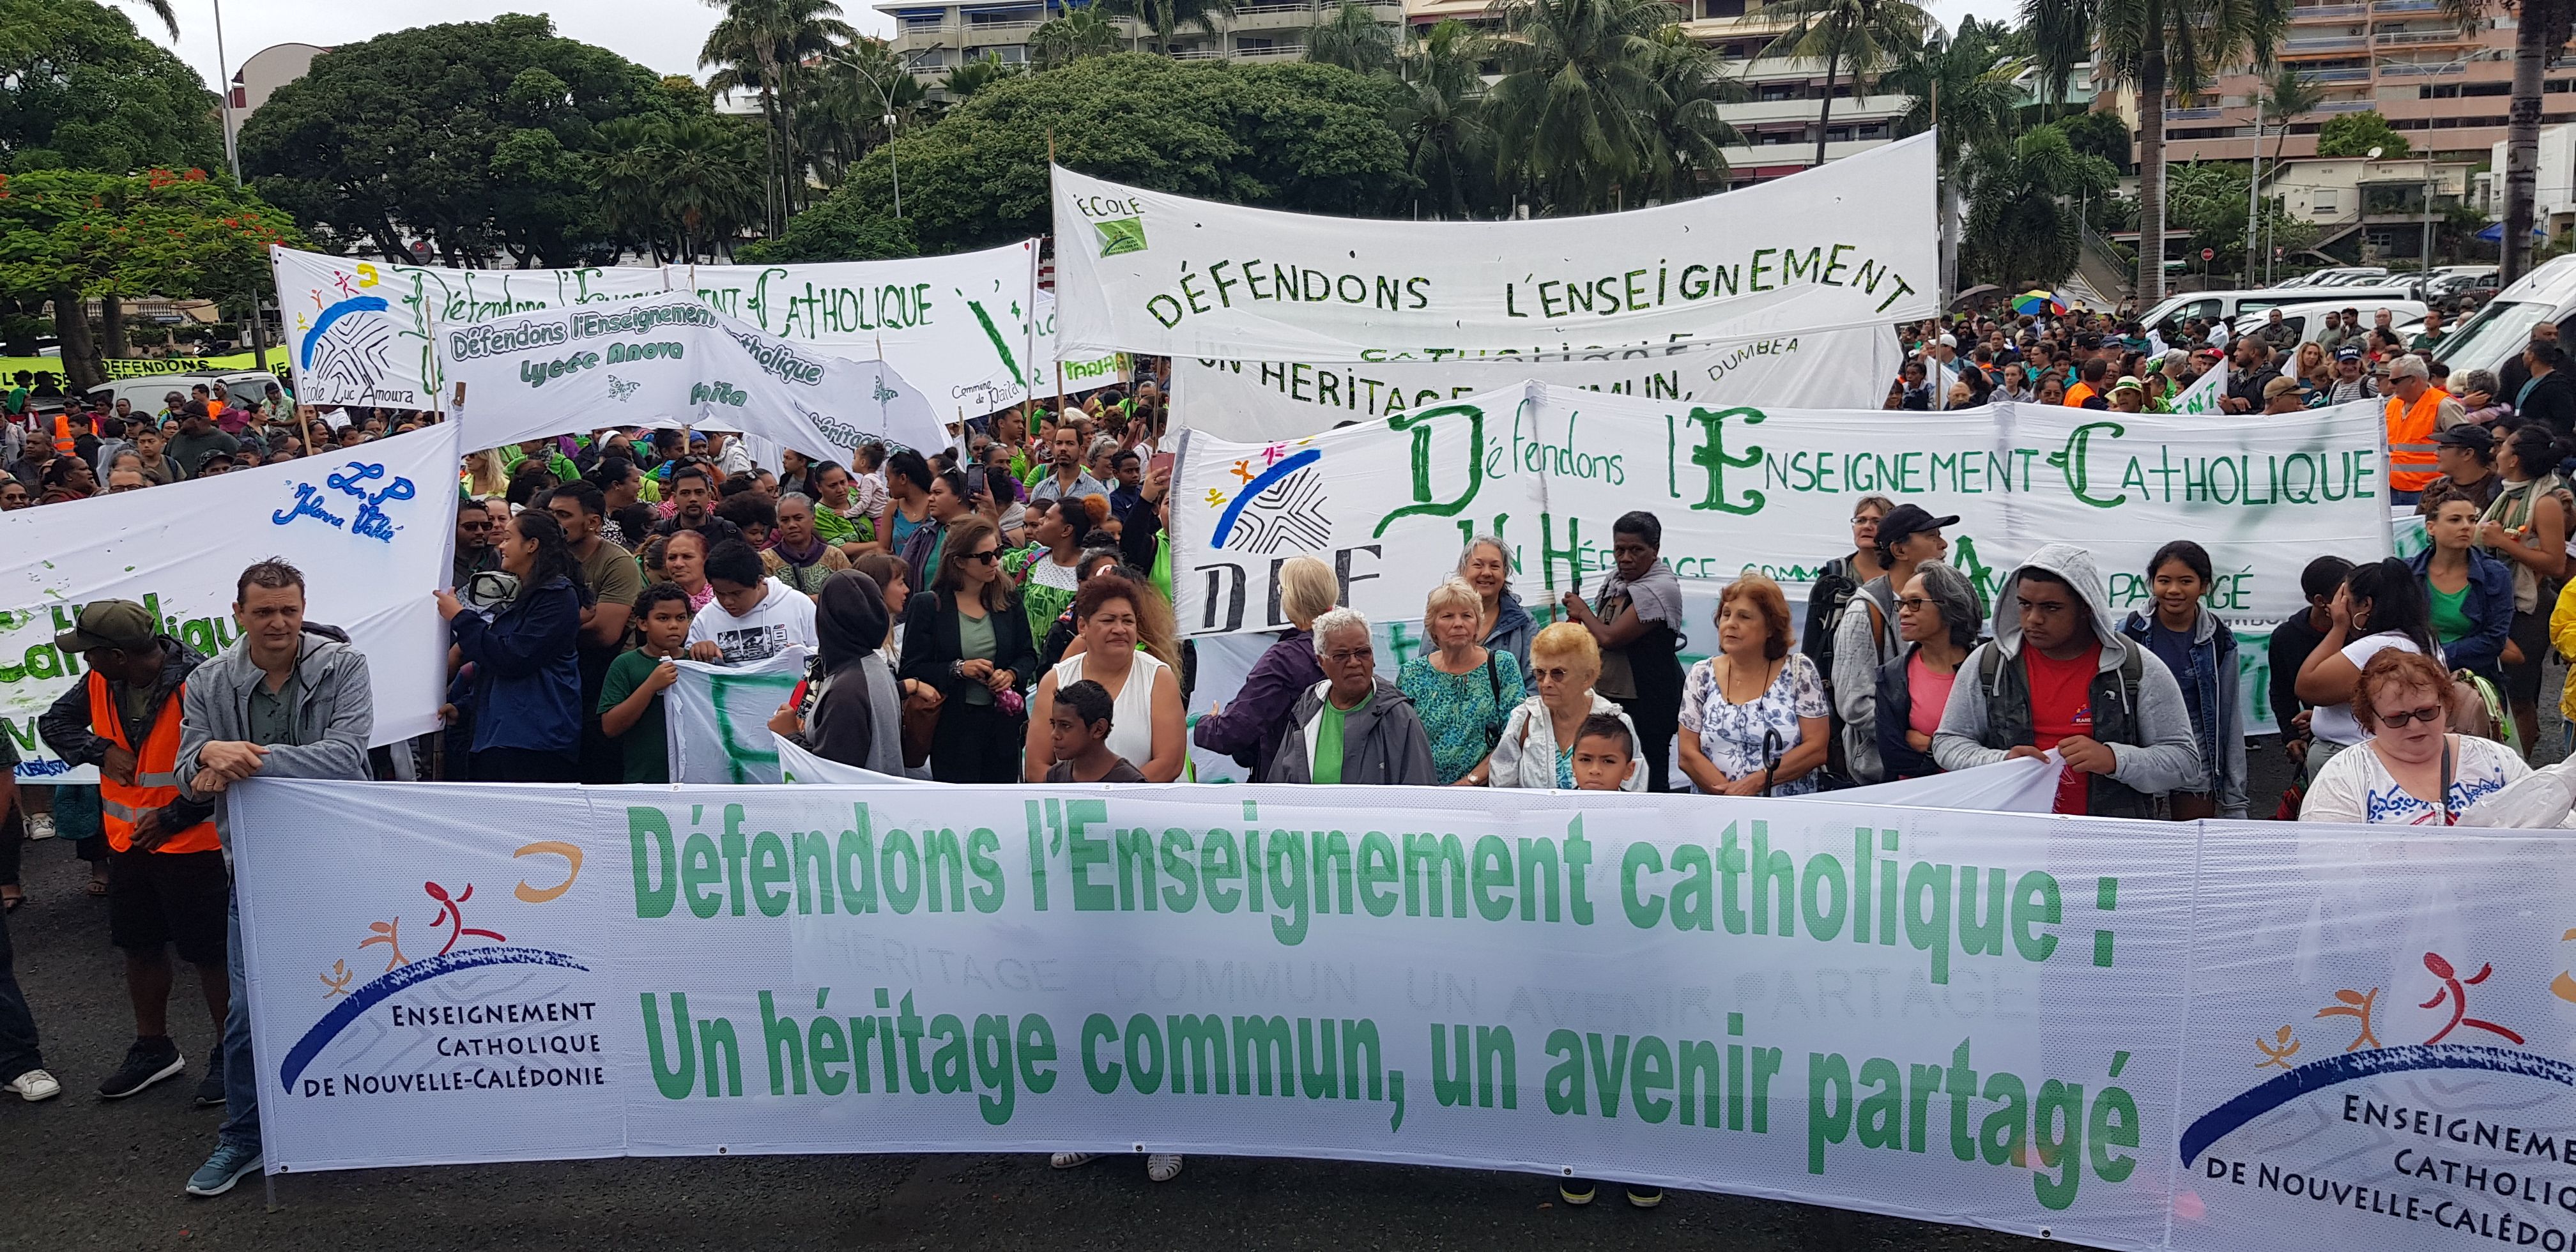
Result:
80,1173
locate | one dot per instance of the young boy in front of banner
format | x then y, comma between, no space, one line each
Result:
630,697
1604,757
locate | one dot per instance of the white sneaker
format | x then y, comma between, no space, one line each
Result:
1163,1166
40,825
34,1085
1068,1160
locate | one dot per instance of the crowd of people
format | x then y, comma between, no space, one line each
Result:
1001,612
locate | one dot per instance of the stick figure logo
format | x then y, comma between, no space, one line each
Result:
451,914
2455,990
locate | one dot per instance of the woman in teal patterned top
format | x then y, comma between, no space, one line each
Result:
1463,690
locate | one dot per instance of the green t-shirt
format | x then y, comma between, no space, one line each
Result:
1328,738
975,642
2450,614
648,756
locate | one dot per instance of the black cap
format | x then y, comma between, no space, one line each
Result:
2477,438
1908,520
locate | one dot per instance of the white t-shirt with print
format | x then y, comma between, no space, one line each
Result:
2356,787
783,618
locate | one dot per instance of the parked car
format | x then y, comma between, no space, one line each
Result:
2239,305
2497,332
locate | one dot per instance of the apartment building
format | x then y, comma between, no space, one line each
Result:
937,38
2443,83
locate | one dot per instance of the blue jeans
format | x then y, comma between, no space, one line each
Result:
241,1077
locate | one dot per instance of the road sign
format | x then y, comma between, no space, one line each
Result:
2209,254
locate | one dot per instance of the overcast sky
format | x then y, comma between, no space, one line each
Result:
661,34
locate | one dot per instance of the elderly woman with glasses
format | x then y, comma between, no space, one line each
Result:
1938,619
2412,771
1536,749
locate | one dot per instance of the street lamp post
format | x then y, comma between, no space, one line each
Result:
885,100
232,158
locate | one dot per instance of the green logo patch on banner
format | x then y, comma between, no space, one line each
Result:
1123,235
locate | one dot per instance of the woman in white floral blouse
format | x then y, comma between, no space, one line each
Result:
1753,716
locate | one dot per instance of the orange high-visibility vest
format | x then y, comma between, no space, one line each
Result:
2079,393
63,435
156,773
2410,441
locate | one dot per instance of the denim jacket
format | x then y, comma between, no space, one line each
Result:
2219,730
2489,604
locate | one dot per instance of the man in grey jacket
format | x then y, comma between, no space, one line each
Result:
2059,675
1353,727
287,700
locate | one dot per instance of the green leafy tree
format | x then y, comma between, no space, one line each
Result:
1687,153
681,187
1965,86
1449,150
1165,18
2020,228
2355,134
1855,37
80,89
2208,198
839,228
1574,110
1069,37
1352,37
2096,132
980,73
1312,138
68,235
764,46
478,137
2155,48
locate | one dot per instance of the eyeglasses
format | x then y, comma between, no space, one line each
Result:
1347,656
987,556
2425,715
1915,604
1556,675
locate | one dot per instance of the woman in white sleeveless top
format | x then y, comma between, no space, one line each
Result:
1148,726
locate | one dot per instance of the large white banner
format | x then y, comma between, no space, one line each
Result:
672,357
716,718
1250,401
1389,503
2139,1035
364,331
369,528
960,327
1845,245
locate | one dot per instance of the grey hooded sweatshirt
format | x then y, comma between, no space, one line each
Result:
1382,741
2153,746
335,712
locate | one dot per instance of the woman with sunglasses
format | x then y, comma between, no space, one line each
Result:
2412,771
966,637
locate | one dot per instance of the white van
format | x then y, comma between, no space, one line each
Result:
2497,333
2309,320
2239,305
145,391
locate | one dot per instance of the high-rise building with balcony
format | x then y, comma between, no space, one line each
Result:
938,37
2442,83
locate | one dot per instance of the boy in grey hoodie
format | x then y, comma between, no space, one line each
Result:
2058,674
287,700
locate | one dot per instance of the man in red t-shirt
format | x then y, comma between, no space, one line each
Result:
2058,676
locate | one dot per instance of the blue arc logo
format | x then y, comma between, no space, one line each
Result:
2228,1118
349,1010
1259,484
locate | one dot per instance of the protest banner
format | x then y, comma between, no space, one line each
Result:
2120,1034
369,527
670,356
1249,401
148,366
1084,373
959,327
717,718
1831,248
1390,503
363,330
2204,393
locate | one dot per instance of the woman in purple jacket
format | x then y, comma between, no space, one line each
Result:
1249,729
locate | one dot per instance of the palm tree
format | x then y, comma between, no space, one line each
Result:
1448,147
2541,30
1962,86
840,117
978,74
1165,18
2286,96
2153,47
1854,35
2018,226
1691,138
1353,38
763,45
682,186
1079,33
161,9
1575,106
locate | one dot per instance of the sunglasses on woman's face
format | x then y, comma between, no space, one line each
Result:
988,555
2425,714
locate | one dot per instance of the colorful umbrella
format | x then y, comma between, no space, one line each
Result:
2039,302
